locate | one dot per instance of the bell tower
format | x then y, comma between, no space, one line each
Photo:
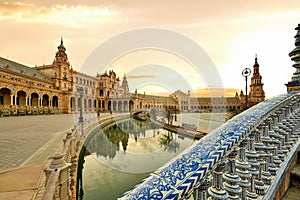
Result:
257,93
63,74
125,85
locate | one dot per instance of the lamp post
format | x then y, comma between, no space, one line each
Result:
246,72
80,116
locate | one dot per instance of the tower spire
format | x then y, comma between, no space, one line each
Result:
256,66
61,41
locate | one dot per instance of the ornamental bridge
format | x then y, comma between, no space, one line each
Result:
258,148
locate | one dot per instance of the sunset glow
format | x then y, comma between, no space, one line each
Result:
230,32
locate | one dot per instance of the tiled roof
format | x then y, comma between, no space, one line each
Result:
19,68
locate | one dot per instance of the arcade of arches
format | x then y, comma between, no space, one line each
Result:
57,88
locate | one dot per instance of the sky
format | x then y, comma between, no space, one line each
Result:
230,33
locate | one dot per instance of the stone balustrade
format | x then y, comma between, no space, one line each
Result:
61,174
257,148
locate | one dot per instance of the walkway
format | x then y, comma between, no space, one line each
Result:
25,144
21,137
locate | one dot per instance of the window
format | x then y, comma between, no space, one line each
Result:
76,79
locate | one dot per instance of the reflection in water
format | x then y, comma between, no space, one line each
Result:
118,156
168,141
81,161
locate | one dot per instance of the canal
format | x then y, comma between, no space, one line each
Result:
117,157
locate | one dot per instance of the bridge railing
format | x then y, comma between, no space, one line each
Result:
61,172
256,147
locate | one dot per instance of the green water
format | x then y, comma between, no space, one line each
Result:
120,156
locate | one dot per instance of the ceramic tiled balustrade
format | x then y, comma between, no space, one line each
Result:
256,146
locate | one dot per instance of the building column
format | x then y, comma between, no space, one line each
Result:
11,99
16,96
26,99
49,102
29,101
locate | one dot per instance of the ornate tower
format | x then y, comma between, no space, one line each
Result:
61,68
125,85
257,93
295,57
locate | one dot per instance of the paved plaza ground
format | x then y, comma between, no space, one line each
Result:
26,142
23,136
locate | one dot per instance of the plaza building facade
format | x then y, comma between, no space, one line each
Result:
58,88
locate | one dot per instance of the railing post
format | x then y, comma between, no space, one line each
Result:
231,178
242,169
252,157
259,184
216,191
201,190
59,188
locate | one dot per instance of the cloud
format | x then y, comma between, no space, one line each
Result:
73,15
140,76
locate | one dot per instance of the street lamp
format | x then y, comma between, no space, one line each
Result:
246,72
80,93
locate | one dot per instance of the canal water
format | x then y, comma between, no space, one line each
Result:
117,157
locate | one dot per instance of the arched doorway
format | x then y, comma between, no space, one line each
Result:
125,106
95,104
109,105
5,98
72,104
55,101
85,104
120,106
103,104
90,104
45,101
21,98
114,106
79,103
131,104
99,104
34,99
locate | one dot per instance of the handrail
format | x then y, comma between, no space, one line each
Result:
271,124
